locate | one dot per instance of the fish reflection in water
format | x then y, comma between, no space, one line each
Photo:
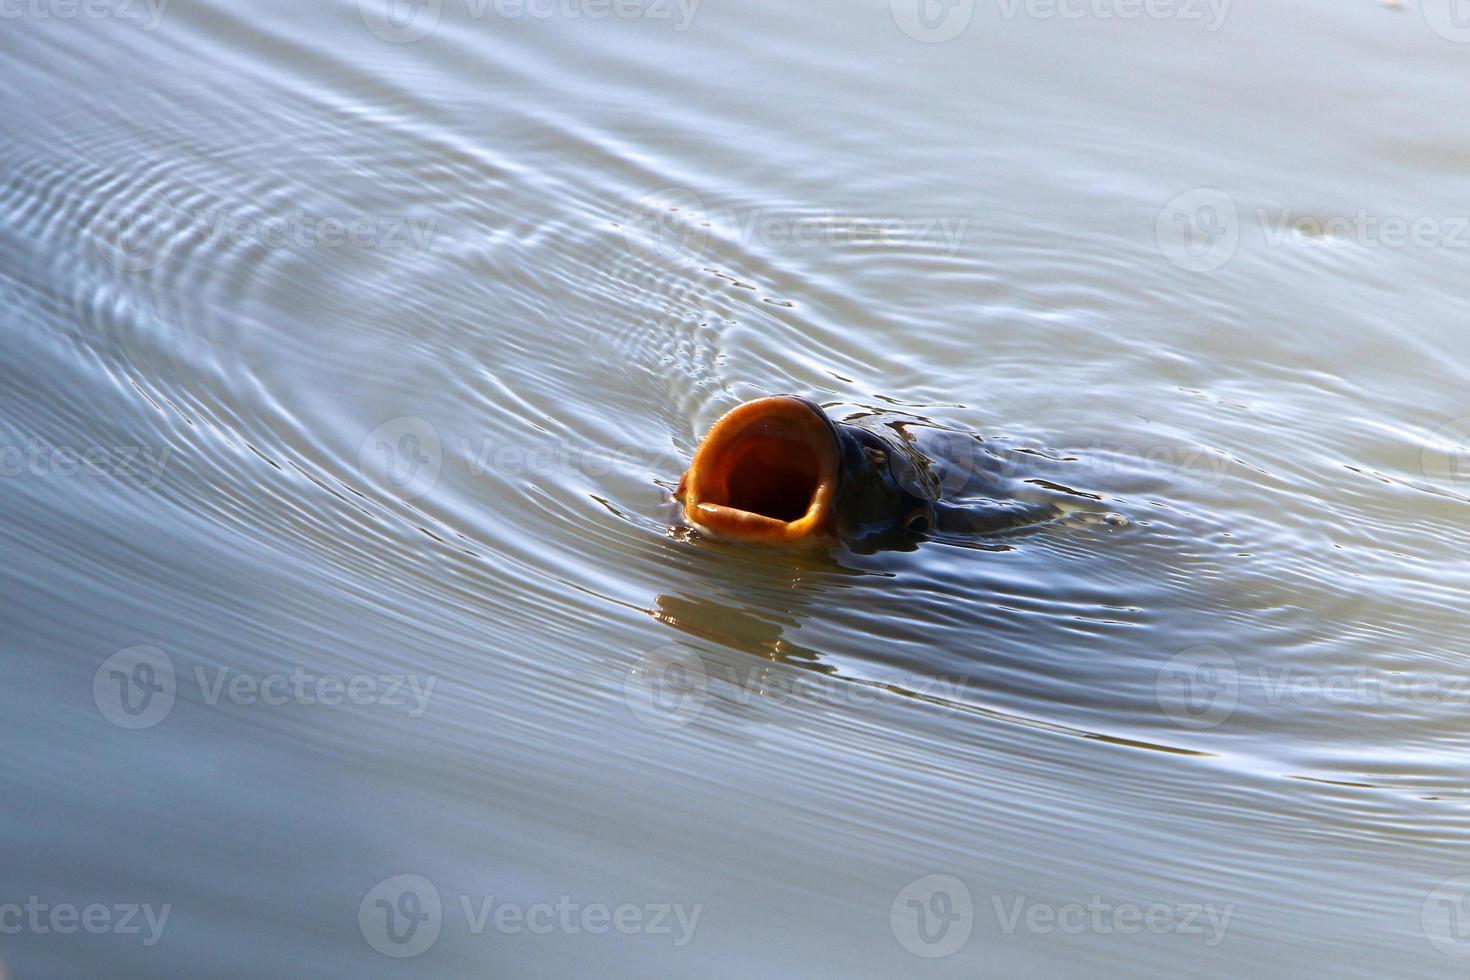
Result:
678,674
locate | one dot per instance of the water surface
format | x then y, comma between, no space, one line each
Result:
351,351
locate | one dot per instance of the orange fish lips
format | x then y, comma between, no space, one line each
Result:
766,472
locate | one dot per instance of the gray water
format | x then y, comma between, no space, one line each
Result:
350,352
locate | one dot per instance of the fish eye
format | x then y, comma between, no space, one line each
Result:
917,521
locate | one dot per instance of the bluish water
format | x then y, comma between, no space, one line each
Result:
351,352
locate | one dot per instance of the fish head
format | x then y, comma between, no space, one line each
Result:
778,470
767,472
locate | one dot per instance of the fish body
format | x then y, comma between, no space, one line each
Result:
779,470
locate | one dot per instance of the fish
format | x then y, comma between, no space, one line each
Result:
780,471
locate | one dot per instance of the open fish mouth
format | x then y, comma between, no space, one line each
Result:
767,471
